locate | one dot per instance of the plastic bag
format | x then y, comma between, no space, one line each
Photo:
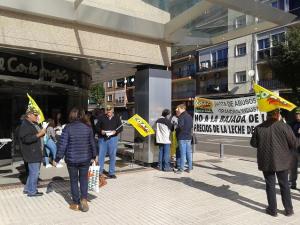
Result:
93,178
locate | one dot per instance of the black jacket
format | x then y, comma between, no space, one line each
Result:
104,123
274,141
184,128
31,145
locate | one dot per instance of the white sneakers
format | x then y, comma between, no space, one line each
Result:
58,165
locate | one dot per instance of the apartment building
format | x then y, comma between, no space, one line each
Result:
229,68
120,95
184,80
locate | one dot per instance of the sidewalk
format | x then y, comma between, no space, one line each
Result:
216,192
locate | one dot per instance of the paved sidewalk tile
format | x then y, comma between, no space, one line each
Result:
228,192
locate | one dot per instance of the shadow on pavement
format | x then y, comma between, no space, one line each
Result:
21,174
62,187
244,179
236,177
222,192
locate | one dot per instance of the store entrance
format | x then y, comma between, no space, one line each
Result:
13,104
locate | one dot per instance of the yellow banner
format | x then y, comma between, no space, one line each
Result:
141,125
32,104
268,100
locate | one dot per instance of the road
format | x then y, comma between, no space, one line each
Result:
236,146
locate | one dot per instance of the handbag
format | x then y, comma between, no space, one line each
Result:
93,178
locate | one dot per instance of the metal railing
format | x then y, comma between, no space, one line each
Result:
271,84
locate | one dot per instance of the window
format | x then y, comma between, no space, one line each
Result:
120,83
240,21
279,4
240,77
240,50
109,84
264,43
219,58
109,98
278,38
204,65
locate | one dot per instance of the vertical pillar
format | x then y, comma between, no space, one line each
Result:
152,96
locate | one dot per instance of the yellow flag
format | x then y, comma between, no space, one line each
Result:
268,100
32,104
141,125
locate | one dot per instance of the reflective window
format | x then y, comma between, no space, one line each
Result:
240,77
241,50
240,21
109,98
278,38
264,43
109,84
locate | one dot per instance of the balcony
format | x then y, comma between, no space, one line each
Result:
220,64
263,55
184,73
120,103
208,65
221,88
183,94
213,89
272,84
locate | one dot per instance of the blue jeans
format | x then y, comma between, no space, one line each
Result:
177,158
164,157
50,147
185,149
79,172
32,179
108,145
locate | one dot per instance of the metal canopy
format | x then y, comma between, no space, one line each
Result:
192,22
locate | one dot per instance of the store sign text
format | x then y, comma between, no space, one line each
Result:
14,66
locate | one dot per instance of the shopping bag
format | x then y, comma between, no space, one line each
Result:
93,178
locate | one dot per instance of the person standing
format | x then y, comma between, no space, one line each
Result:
274,141
77,145
163,133
184,136
108,128
31,143
294,166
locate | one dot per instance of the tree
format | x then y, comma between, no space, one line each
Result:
285,61
97,93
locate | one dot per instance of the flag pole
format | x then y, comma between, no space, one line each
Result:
120,126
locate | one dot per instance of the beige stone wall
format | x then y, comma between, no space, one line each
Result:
135,8
30,32
237,64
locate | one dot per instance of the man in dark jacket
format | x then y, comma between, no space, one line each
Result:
274,141
294,166
31,141
108,128
184,136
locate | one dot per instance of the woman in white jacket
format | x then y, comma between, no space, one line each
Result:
163,131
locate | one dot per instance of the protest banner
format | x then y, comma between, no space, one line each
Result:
229,117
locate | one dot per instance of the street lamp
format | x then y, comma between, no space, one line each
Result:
251,74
